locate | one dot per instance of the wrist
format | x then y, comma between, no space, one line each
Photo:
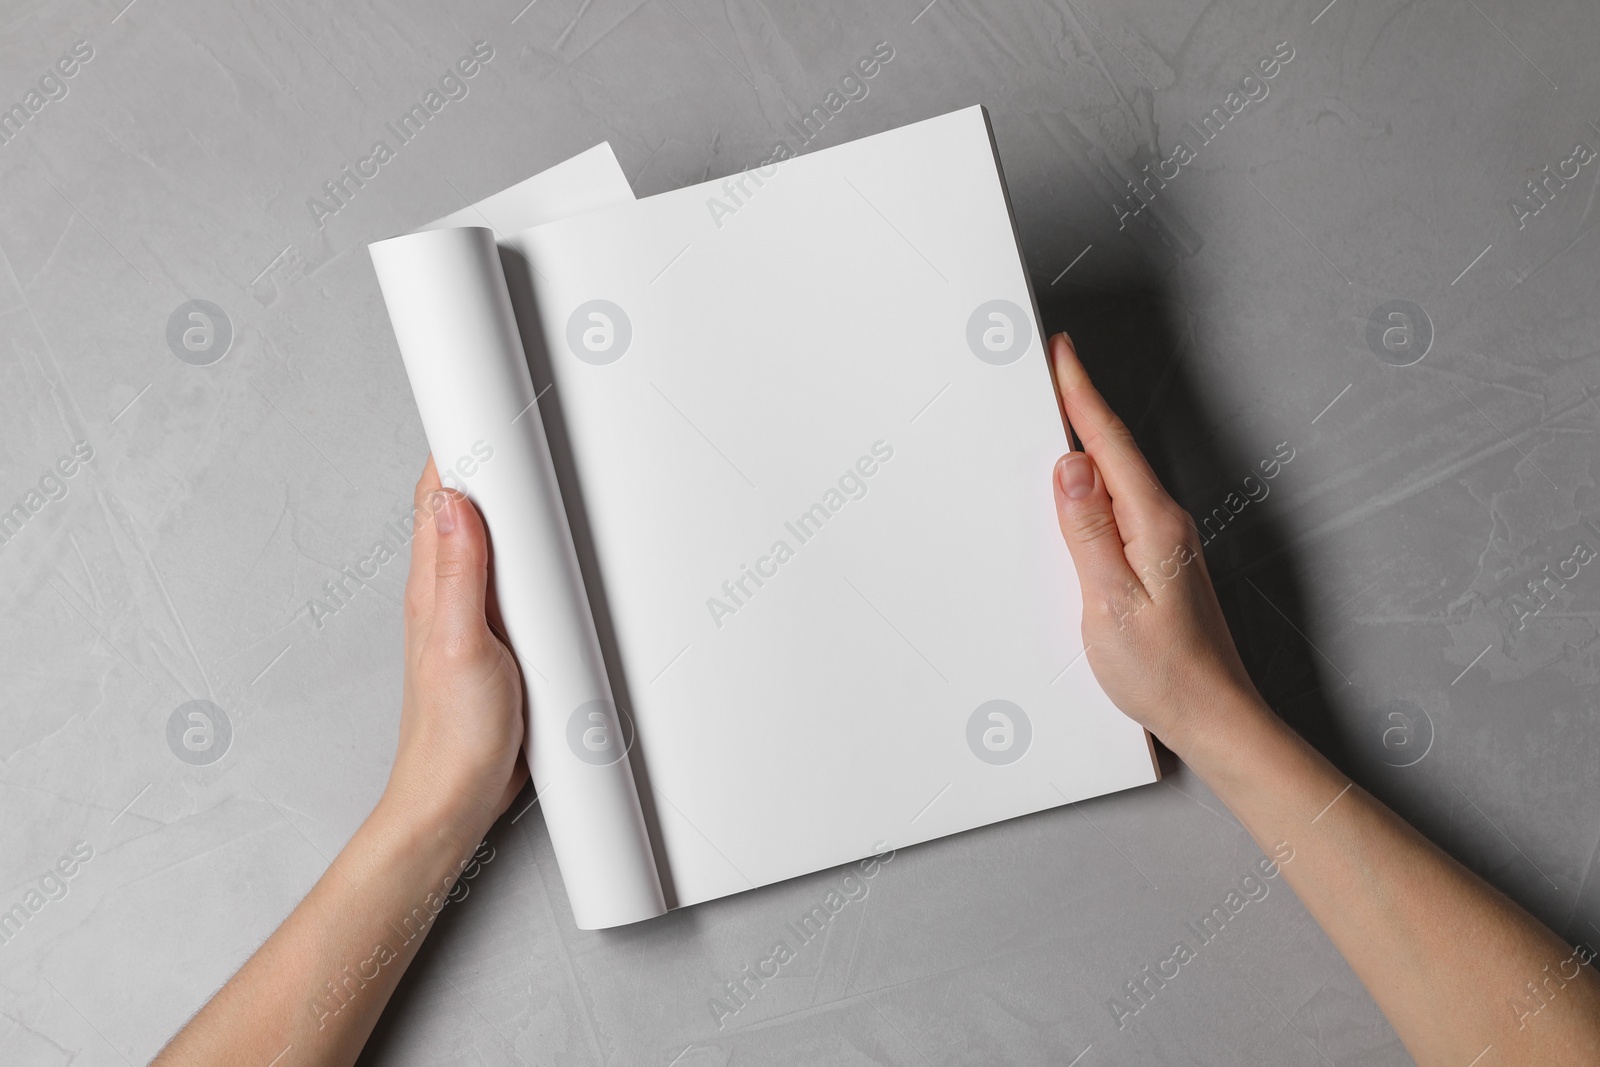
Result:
1218,725
428,816
397,858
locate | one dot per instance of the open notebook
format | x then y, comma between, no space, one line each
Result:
765,464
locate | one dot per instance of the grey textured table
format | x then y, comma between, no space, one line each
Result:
1388,587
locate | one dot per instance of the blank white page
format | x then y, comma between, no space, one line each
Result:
588,181
817,327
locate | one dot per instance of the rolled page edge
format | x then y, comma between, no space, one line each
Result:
446,296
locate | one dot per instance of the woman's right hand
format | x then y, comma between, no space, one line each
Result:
1452,963
1153,630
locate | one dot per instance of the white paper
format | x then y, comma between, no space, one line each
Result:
448,302
589,181
781,332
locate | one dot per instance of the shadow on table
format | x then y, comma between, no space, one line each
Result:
1138,343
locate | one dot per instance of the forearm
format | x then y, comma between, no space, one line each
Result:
312,993
319,983
1453,964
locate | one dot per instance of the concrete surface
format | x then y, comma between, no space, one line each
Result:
1380,589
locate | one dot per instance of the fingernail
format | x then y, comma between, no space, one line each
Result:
1076,474
444,516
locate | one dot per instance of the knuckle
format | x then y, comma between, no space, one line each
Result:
466,647
1094,523
1118,429
1119,606
1172,527
453,568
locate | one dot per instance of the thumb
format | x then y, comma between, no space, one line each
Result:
461,567
1083,507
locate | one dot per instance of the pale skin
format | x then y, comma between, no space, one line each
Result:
1443,954
1440,951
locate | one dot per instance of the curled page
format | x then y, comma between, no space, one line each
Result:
446,294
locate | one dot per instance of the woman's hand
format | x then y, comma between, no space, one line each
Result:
1463,974
459,762
1153,630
